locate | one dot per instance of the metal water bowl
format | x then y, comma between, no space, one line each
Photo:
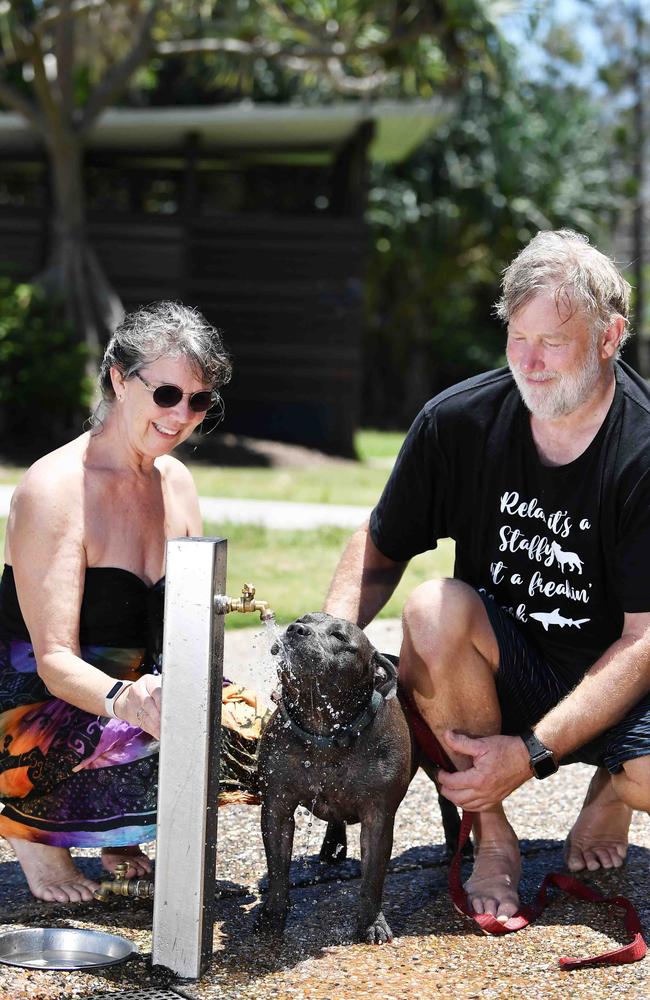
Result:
63,948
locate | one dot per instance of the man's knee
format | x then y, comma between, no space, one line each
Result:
632,784
446,617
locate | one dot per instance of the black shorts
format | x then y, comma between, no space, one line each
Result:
528,687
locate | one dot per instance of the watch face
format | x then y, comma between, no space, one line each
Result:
545,765
113,691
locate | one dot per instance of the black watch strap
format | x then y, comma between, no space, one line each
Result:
542,761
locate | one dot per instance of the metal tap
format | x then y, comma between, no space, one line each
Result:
120,885
223,605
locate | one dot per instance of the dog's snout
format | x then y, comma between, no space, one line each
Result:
299,628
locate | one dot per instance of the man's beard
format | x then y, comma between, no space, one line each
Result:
558,394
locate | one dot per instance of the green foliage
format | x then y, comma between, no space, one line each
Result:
378,46
196,53
43,381
560,43
514,157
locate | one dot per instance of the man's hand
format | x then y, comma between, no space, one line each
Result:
499,765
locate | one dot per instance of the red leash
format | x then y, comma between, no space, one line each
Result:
632,952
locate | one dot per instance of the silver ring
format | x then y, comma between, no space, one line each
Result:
140,714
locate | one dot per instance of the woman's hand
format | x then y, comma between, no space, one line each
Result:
139,704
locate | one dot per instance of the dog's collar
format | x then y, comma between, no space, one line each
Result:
343,737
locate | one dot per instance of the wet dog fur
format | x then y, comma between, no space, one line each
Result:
328,670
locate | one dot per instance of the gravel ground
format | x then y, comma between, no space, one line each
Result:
435,952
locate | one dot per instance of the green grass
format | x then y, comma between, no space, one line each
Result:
377,444
10,474
292,569
358,483
337,484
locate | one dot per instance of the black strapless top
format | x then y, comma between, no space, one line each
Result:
117,609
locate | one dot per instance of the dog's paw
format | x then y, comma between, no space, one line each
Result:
269,923
378,932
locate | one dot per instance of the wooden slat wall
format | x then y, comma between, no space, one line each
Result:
286,291
21,243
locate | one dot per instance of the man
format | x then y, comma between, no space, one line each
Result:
538,651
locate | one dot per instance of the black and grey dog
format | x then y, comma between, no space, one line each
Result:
340,745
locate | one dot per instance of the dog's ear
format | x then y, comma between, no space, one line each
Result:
384,671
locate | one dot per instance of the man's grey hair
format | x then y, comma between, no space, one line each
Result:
579,276
165,329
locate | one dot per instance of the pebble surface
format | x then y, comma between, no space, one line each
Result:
436,952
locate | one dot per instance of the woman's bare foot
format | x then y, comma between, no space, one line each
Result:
493,884
598,838
139,863
50,873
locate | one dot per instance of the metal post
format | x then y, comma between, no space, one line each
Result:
186,845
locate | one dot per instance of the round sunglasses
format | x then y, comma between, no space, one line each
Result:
170,395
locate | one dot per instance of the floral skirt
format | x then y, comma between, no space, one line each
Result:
68,778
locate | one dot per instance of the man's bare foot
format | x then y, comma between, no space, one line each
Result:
598,838
50,873
493,884
139,863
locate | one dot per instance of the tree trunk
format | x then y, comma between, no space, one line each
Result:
637,355
73,273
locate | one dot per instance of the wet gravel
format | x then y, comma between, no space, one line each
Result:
435,952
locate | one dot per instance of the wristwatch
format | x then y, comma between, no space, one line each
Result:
542,761
112,696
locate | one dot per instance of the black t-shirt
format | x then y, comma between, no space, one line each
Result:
565,550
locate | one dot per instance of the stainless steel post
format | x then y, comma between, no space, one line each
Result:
186,845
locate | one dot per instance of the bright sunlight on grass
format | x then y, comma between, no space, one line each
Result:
292,569
10,474
371,445
347,483
358,483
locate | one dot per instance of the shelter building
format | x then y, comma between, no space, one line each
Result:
252,212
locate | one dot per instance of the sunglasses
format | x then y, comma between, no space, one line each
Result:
170,395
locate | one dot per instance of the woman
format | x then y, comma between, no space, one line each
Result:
81,591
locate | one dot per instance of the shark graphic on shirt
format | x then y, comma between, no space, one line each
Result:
555,618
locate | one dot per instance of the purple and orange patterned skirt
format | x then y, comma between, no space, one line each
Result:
68,778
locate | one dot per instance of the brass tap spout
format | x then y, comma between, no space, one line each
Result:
140,888
244,604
